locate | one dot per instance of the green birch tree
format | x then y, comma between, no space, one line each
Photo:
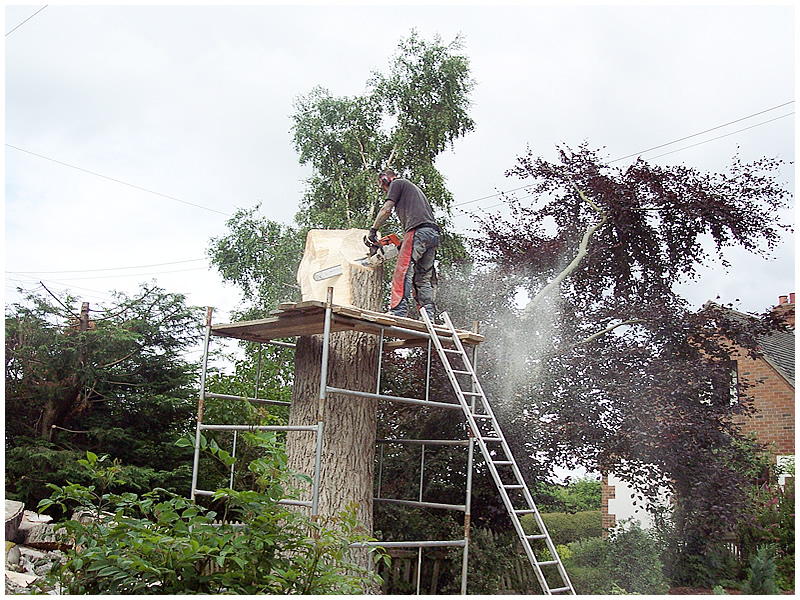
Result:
405,119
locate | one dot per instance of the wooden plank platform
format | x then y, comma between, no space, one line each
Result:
308,318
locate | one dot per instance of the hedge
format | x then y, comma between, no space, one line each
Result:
567,527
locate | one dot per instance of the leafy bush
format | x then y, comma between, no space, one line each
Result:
585,563
634,563
627,562
565,527
771,523
578,495
689,562
30,467
490,557
161,543
761,574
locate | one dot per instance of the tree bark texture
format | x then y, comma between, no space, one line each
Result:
348,442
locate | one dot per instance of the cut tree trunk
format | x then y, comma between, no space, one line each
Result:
348,441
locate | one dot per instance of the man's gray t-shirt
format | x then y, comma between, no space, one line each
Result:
410,203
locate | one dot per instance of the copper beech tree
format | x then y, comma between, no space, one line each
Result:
607,366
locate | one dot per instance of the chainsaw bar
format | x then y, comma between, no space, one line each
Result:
327,273
387,249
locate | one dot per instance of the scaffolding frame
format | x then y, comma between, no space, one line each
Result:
410,336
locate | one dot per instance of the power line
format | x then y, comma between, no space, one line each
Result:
26,20
664,145
707,131
179,262
118,181
117,276
97,294
722,136
489,196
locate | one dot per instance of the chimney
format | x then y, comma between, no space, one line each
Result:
785,309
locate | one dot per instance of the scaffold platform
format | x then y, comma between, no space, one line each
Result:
293,319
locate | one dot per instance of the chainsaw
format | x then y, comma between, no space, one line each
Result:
385,249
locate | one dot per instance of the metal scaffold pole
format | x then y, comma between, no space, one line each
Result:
315,318
468,501
196,462
323,395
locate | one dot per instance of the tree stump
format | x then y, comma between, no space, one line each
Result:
348,441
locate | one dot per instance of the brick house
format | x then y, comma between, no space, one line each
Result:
772,380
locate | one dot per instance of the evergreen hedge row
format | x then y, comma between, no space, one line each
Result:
567,527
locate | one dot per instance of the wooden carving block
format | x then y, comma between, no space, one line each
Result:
331,259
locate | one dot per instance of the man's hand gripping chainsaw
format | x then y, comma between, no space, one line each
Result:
380,250
385,249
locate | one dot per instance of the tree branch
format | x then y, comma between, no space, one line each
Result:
116,362
582,252
361,151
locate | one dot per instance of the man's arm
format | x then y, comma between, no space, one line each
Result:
383,214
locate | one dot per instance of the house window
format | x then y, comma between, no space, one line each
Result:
785,468
733,368
724,386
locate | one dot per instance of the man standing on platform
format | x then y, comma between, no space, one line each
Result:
415,269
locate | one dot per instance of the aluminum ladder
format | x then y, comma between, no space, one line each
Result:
485,428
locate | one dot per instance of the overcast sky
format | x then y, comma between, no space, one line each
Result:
132,133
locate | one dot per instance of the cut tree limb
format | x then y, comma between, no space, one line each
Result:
583,250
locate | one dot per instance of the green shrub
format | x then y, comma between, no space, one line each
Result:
771,523
32,464
565,527
761,574
490,557
634,563
578,495
585,564
161,543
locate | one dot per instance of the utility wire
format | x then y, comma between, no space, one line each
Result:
707,131
131,274
26,20
722,136
118,181
179,262
472,212
668,144
464,213
116,276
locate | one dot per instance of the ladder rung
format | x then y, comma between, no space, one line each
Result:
502,462
513,487
560,590
492,439
547,563
525,511
451,351
462,372
481,416
537,536
471,393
